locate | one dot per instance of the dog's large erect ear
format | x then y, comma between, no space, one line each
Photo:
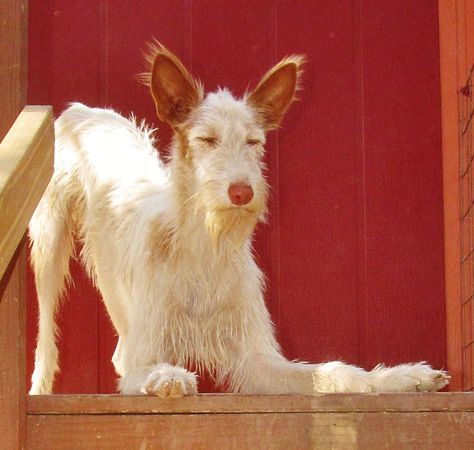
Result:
174,90
276,90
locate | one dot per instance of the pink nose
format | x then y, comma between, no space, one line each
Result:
240,193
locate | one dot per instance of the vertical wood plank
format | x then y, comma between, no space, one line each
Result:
13,49
448,32
64,66
13,360
359,147
244,51
403,173
168,22
318,172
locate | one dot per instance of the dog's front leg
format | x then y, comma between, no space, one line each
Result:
275,374
272,373
144,366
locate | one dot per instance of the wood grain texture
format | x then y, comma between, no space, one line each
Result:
13,353
238,403
26,158
254,431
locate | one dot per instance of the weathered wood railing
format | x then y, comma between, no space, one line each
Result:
208,421
26,165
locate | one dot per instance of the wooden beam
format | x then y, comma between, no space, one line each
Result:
253,431
238,403
26,166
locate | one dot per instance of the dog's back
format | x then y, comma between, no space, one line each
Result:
106,147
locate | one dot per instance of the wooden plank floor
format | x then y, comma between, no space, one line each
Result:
225,421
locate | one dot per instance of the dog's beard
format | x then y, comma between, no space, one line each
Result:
230,226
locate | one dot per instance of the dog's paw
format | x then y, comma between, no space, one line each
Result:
428,379
415,377
168,381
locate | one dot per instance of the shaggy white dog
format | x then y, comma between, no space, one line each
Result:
169,245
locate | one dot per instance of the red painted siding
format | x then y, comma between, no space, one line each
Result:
354,249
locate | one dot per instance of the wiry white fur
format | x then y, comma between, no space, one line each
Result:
172,257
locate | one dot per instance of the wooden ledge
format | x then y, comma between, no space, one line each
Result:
251,404
225,421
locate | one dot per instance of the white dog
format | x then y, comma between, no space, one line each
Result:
169,245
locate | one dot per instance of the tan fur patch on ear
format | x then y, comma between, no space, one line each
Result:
173,88
156,48
277,90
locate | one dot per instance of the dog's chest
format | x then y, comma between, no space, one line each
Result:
204,313
204,286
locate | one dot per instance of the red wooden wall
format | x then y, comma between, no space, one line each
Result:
354,249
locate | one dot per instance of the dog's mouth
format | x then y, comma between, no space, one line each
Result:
244,209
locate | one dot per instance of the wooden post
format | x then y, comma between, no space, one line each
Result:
13,55
456,27
13,353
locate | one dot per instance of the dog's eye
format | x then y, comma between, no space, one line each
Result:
208,140
253,142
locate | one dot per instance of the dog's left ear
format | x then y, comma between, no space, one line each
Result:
276,90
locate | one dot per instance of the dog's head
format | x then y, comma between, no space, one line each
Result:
221,138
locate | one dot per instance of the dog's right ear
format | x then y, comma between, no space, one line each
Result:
175,91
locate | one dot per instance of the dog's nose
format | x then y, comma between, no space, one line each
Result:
240,193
